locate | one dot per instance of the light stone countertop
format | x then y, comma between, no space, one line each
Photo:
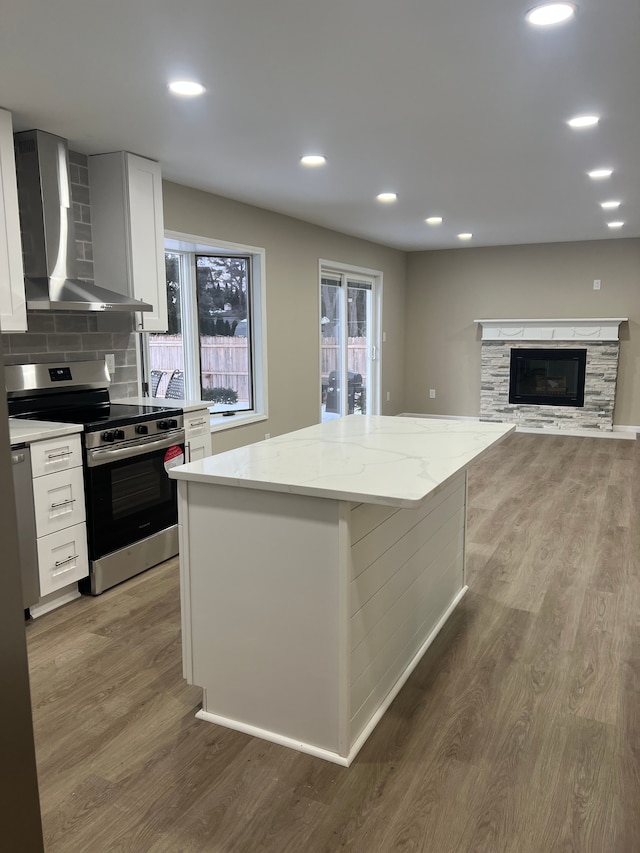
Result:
163,402
395,461
22,431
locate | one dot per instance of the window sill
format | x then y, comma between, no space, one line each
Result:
220,423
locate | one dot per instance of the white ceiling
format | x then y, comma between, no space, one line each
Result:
457,105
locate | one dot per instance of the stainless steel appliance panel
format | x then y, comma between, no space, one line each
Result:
22,487
135,558
132,511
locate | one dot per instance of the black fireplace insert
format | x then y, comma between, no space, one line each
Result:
547,377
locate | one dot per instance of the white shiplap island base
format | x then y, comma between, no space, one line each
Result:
317,568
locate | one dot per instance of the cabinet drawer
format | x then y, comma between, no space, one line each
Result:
58,501
62,558
199,423
197,435
55,454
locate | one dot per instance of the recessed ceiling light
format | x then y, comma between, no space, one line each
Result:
610,205
615,224
583,121
434,220
600,173
387,197
550,13
313,160
186,87
465,236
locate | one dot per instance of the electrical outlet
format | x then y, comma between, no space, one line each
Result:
596,284
267,435
388,396
432,393
111,363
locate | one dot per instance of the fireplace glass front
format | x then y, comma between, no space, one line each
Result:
547,377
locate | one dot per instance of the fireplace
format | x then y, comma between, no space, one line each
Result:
562,372
547,377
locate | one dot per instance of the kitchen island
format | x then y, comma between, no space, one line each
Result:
318,567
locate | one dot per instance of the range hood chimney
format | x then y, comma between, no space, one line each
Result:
48,231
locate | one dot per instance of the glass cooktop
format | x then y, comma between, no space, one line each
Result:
96,418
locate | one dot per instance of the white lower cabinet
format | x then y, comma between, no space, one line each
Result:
62,558
197,435
58,498
58,501
56,454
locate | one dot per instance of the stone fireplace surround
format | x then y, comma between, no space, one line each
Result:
599,336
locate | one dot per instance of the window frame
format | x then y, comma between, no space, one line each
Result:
195,305
191,244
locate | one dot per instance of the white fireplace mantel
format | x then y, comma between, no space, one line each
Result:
565,329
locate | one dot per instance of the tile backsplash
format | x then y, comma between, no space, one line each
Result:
72,335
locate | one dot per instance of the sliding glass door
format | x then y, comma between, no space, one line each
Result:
348,349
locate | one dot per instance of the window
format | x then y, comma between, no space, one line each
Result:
213,349
349,382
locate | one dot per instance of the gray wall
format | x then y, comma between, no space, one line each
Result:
293,249
73,336
448,290
431,339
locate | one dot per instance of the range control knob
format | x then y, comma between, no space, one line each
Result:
170,424
142,429
108,436
118,434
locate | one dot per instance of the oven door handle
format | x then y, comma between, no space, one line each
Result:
104,455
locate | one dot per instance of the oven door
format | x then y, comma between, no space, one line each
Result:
128,491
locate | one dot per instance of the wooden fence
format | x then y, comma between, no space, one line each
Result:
224,360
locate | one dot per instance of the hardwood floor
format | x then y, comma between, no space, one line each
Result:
519,731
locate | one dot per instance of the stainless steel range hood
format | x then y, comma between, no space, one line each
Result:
48,231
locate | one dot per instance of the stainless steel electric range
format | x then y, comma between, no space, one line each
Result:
131,503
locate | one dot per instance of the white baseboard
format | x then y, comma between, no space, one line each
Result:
274,737
54,600
619,432
580,433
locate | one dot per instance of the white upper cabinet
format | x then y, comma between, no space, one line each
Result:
128,232
13,306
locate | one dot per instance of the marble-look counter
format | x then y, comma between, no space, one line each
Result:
22,431
316,568
372,459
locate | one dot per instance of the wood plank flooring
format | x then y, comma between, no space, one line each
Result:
519,731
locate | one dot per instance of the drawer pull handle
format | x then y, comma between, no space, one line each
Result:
59,455
68,560
63,503
197,423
